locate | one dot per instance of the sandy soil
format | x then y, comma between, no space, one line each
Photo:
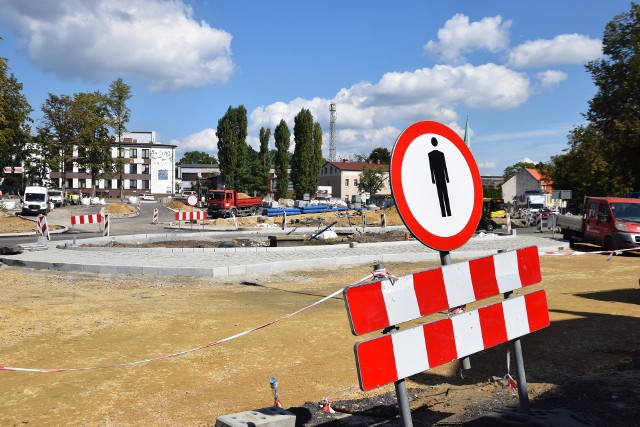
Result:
582,362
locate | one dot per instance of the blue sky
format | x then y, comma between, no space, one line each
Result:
515,68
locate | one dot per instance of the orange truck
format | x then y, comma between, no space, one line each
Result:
609,222
226,203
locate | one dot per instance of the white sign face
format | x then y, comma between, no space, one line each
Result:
436,185
192,200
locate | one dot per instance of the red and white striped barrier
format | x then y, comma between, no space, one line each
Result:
377,305
191,216
41,227
155,216
391,357
105,231
508,224
539,223
383,220
86,219
394,356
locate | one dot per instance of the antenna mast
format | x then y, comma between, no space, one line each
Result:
332,132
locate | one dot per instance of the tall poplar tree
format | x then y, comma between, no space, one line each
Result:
265,162
319,158
282,137
304,161
232,147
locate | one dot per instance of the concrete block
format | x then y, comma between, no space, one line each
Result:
272,416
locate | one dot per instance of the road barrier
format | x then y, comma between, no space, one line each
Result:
155,216
385,303
105,231
85,219
42,229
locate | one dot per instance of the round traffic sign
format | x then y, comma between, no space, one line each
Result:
192,200
436,185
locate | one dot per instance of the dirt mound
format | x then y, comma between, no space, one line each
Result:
243,196
9,223
179,206
118,208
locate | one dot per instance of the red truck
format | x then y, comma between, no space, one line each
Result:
226,203
609,222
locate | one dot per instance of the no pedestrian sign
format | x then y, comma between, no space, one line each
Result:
436,185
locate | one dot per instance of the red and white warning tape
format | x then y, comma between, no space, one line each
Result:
181,353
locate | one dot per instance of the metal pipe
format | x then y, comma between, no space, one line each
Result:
403,403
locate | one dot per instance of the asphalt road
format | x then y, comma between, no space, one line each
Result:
141,224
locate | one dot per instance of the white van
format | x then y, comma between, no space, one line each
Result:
55,197
35,201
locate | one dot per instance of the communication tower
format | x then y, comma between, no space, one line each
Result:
332,132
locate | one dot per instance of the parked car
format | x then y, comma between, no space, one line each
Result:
147,196
486,224
56,197
545,212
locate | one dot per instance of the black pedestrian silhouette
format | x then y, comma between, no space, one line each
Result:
440,177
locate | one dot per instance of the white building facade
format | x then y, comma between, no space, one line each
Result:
147,168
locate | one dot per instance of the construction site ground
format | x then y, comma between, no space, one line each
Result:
145,350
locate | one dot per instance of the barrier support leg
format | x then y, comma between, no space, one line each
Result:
521,377
445,259
403,403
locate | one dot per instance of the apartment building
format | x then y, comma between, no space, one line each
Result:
148,167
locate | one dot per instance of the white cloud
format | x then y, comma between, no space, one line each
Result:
550,78
562,49
153,40
527,160
372,114
458,36
205,140
483,166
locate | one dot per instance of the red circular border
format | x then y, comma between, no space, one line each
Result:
192,197
397,157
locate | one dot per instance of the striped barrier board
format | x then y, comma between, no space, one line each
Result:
85,219
387,302
191,216
377,305
41,227
391,357
106,229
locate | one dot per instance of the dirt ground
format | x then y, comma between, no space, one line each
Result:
109,326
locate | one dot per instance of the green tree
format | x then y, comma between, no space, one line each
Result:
15,121
583,167
197,158
615,109
304,161
93,144
381,155
265,162
232,147
58,122
510,171
119,114
282,137
602,158
317,153
372,180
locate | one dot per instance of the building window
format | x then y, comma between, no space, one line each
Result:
355,182
133,153
119,183
145,153
145,168
82,169
133,184
346,182
133,168
107,184
145,184
120,153
82,183
69,183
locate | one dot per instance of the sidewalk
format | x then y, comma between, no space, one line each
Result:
222,262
